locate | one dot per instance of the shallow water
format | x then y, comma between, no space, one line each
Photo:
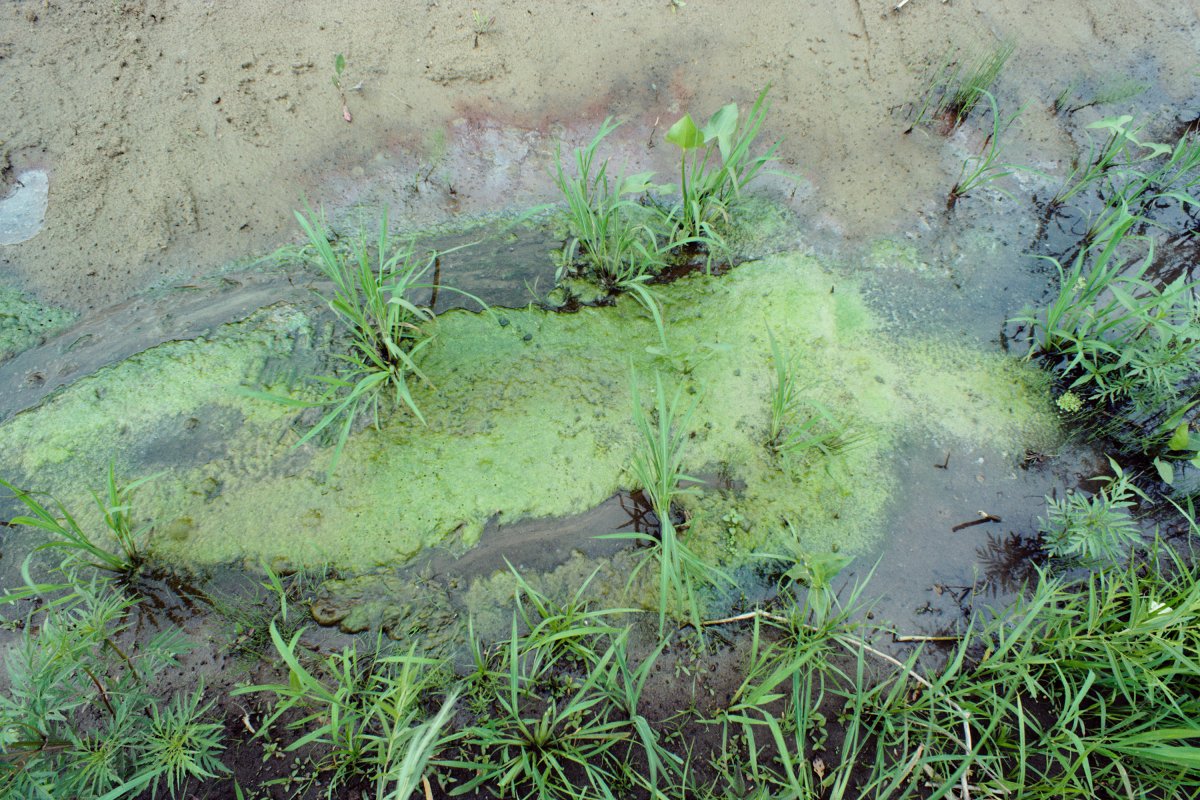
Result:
472,131
23,211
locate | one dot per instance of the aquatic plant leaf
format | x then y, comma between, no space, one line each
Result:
684,134
635,184
1114,124
1179,439
818,571
721,126
1165,471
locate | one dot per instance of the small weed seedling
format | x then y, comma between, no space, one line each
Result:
339,66
985,168
952,91
480,24
1114,91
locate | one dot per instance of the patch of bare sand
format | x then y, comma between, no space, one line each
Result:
179,134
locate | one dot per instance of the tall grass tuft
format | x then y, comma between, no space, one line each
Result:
557,709
1095,684
975,82
658,471
622,243
985,168
363,719
610,231
67,534
952,90
373,298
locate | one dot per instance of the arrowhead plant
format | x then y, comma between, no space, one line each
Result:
706,189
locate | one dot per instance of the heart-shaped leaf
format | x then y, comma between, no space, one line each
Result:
684,134
635,184
1179,439
721,126
1114,124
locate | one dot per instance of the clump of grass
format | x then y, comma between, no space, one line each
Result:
540,742
388,330
785,393
622,236
1062,101
620,241
658,462
180,744
557,708
67,534
970,85
658,471
1125,345
373,298
1094,530
800,425
365,718
1083,689
1092,685
953,90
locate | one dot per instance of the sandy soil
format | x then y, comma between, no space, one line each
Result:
179,134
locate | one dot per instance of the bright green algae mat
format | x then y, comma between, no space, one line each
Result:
529,415
23,322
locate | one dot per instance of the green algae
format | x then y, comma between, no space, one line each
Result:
24,322
761,227
125,408
529,416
